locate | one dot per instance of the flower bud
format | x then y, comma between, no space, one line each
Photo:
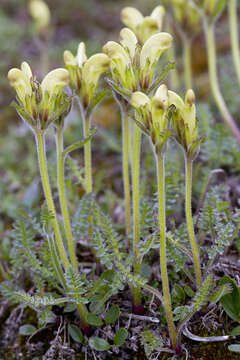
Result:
40,13
139,99
26,69
69,58
158,15
190,97
81,54
146,29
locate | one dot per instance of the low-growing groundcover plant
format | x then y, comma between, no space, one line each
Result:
172,268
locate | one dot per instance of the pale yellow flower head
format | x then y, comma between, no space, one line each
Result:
38,103
143,27
40,12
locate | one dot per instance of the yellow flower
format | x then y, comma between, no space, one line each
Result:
40,13
38,102
152,114
143,27
85,73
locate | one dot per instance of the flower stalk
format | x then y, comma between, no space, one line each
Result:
211,52
233,22
163,253
62,196
87,156
190,227
136,201
40,142
125,165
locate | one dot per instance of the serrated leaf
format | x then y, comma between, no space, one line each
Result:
94,320
112,315
99,344
231,302
75,333
27,329
220,292
120,337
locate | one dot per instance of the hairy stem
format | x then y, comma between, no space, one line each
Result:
136,199
40,142
125,165
233,22
187,47
163,252
87,156
212,66
62,197
188,211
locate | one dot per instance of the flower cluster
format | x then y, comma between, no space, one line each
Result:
40,104
211,8
143,27
153,115
133,66
84,72
185,14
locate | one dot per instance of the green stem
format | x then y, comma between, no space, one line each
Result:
62,197
211,50
136,199
87,156
188,210
187,47
125,164
233,21
163,252
40,141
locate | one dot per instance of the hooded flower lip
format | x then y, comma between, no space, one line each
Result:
84,72
184,119
129,41
153,115
143,27
121,63
39,102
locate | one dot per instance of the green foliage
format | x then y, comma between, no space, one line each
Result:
231,301
75,333
151,342
27,329
99,344
112,314
120,337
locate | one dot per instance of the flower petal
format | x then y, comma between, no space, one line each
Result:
146,29
69,58
55,80
154,47
131,17
158,15
139,100
81,54
128,40
175,99
21,83
26,69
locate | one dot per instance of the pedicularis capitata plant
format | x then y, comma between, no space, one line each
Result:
131,72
